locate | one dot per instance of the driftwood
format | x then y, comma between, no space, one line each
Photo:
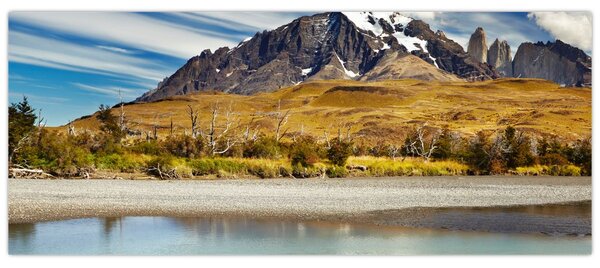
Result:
164,174
357,167
26,173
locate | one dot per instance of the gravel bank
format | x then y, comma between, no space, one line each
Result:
311,199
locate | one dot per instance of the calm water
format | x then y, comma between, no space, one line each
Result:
201,236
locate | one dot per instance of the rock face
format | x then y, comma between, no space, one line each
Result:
478,48
499,57
449,55
323,46
556,61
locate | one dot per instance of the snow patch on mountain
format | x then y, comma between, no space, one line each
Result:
349,73
370,21
306,71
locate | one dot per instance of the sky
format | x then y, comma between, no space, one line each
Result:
68,63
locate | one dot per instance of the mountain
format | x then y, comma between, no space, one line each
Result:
556,61
366,46
478,45
499,57
329,45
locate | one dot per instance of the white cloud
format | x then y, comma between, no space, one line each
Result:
111,91
574,28
425,16
47,52
255,21
116,49
37,98
128,29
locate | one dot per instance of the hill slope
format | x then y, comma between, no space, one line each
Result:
383,110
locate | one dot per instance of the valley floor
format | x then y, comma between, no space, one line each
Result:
385,201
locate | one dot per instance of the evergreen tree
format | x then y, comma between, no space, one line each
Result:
21,122
109,123
516,148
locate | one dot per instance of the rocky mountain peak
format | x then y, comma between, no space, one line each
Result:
478,45
499,56
366,46
556,61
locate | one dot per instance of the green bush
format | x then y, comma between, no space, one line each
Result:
120,162
553,159
304,152
55,153
339,151
299,171
183,146
263,147
169,167
151,147
336,172
552,170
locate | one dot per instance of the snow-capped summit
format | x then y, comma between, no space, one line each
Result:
331,45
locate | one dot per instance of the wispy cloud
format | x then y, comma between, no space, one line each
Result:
128,29
247,21
47,52
116,49
110,91
37,98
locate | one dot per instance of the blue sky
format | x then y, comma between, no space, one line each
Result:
68,63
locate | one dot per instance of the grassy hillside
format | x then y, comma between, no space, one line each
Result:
382,110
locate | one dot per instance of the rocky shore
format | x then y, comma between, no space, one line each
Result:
384,201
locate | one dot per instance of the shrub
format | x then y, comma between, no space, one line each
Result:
552,170
151,147
300,171
55,153
263,147
336,172
120,162
168,167
553,159
183,146
379,166
580,154
304,152
339,152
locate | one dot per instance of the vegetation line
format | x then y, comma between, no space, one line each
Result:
226,148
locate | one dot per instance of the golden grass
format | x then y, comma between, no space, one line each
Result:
383,166
531,104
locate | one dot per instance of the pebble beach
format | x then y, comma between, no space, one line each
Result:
308,199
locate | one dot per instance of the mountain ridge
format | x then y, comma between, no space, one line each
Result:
339,45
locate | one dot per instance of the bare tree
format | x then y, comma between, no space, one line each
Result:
394,151
41,124
218,136
250,133
326,137
193,115
121,113
347,127
282,119
171,127
70,128
422,142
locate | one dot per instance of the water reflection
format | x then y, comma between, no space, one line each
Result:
196,236
22,234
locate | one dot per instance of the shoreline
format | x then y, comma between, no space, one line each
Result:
423,202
